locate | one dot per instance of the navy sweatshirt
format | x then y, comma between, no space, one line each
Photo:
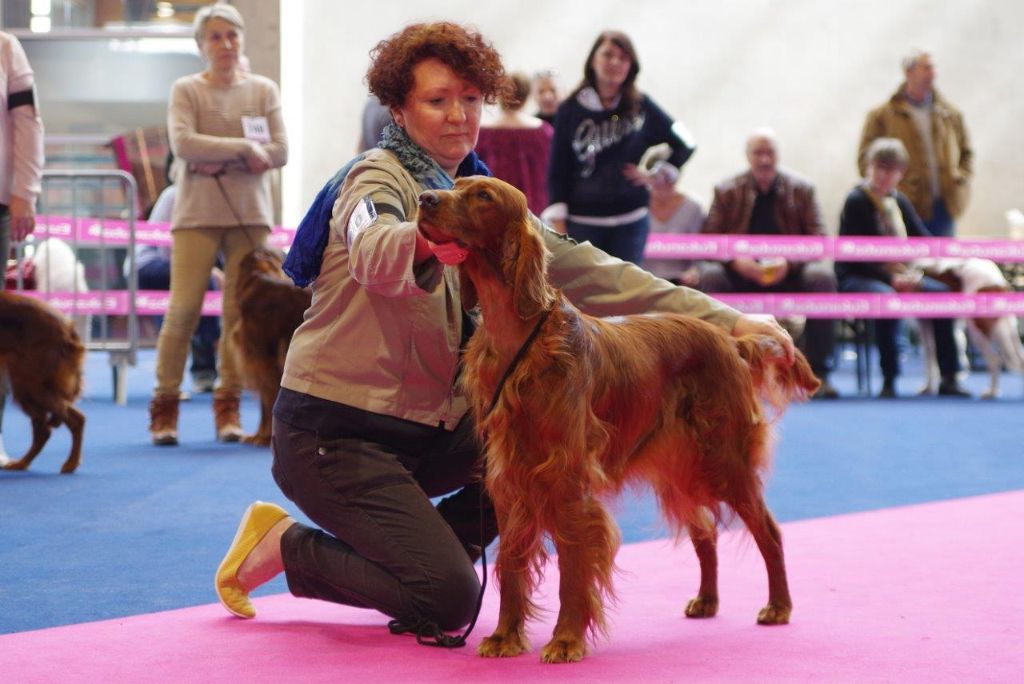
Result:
590,149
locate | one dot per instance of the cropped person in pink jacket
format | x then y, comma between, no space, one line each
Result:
21,161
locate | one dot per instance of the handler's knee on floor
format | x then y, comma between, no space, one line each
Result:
453,598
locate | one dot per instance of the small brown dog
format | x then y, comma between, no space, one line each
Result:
270,307
595,404
43,358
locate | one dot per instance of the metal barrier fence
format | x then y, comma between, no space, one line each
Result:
79,270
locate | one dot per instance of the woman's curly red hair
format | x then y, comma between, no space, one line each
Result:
466,52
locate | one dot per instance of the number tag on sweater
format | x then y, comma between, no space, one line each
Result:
256,128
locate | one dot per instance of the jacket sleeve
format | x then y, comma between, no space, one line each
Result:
382,240
602,285
715,223
915,226
664,130
966,166
277,148
560,163
811,219
26,127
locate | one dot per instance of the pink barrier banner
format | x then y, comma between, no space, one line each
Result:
671,246
845,305
118,231
999,251
884,249
802,248
659,245
868,305
115,302
155,302
810,248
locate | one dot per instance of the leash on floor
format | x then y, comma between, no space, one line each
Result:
427,632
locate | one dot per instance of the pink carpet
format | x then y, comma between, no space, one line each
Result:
924,593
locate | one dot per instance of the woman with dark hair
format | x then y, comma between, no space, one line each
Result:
370,422
596,190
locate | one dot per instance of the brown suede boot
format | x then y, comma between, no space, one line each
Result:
225,415
163,419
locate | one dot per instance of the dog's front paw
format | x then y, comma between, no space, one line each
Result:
774,615
256,440
13,465
503,645
563,651
702,607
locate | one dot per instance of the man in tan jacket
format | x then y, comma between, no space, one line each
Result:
938,179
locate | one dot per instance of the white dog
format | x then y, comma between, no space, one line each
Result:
57,269
998,339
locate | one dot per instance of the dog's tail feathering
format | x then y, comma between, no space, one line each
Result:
777,382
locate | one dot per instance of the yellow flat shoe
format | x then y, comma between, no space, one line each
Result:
257,520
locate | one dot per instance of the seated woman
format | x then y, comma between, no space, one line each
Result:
876,208
676,212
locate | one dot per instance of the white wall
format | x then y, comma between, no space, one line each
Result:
809,68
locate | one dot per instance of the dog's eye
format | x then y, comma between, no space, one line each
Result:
484,195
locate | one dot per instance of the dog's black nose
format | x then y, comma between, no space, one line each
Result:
429,199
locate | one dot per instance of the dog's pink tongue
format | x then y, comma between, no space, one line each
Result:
449,253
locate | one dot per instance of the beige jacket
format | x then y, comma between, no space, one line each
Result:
953,152
383,336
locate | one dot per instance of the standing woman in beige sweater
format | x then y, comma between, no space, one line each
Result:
226,130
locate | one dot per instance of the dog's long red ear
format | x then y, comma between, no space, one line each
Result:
467,291
524,262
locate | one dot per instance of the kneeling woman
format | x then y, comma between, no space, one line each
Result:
370,423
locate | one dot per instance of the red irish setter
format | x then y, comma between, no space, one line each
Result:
596,404
43,356
270,308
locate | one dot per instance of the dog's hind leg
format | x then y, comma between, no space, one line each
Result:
766,533
587,540
993,362
930,354
40,435
705,543
75,420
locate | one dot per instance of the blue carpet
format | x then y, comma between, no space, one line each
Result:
141,528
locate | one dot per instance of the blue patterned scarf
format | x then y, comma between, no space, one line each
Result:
307,251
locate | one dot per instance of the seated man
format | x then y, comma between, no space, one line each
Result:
767,201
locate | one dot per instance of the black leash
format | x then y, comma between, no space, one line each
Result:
427,632
231,207
517,359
